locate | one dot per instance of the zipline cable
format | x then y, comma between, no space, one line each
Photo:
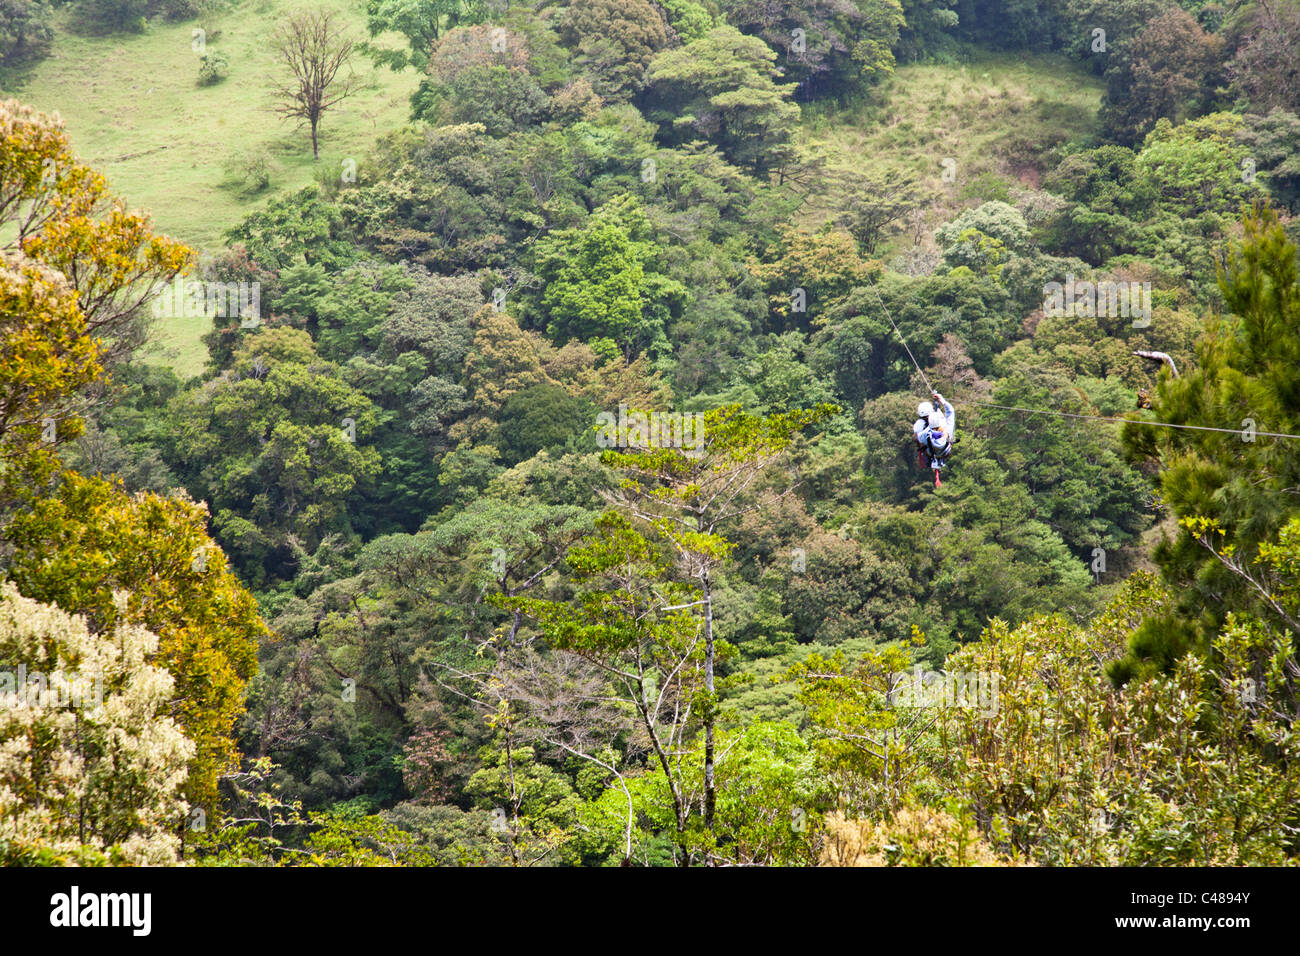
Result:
900,337
1136,421
1041,411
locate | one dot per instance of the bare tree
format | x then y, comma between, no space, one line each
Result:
314,48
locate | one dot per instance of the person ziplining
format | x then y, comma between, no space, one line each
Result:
935,430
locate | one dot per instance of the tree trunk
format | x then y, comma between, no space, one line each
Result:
514,801
710,795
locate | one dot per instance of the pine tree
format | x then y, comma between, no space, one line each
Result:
1231,491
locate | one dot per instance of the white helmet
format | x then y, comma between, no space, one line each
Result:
937,421
924,410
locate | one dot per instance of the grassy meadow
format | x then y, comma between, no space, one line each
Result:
134,110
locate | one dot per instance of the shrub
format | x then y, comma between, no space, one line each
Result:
915,836
249,173
213,68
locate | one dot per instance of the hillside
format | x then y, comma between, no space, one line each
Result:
753,433
181,152
1001,119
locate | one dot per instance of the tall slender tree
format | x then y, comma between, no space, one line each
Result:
689,496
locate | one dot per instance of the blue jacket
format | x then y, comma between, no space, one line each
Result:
921,428
950,417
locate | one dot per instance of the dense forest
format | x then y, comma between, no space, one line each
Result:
546,490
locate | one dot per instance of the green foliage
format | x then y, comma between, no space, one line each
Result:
983,239
303,227
534,807
1013,24
614,41
422,22
541,417
780,380
502,100
25,31
112,16
765,815
926,29
343,839
1082,488
689,20
870,745
452,199
809,275
277,445
1171,201
1274,142
1110,200
258,826
451,836
341,313
1198,167
1159,802
496,646
723,88
842,45
877,202
1166,72
213,68
1122,20
1245,378
603,280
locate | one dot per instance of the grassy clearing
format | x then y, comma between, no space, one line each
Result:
178,343
998,117
134,110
